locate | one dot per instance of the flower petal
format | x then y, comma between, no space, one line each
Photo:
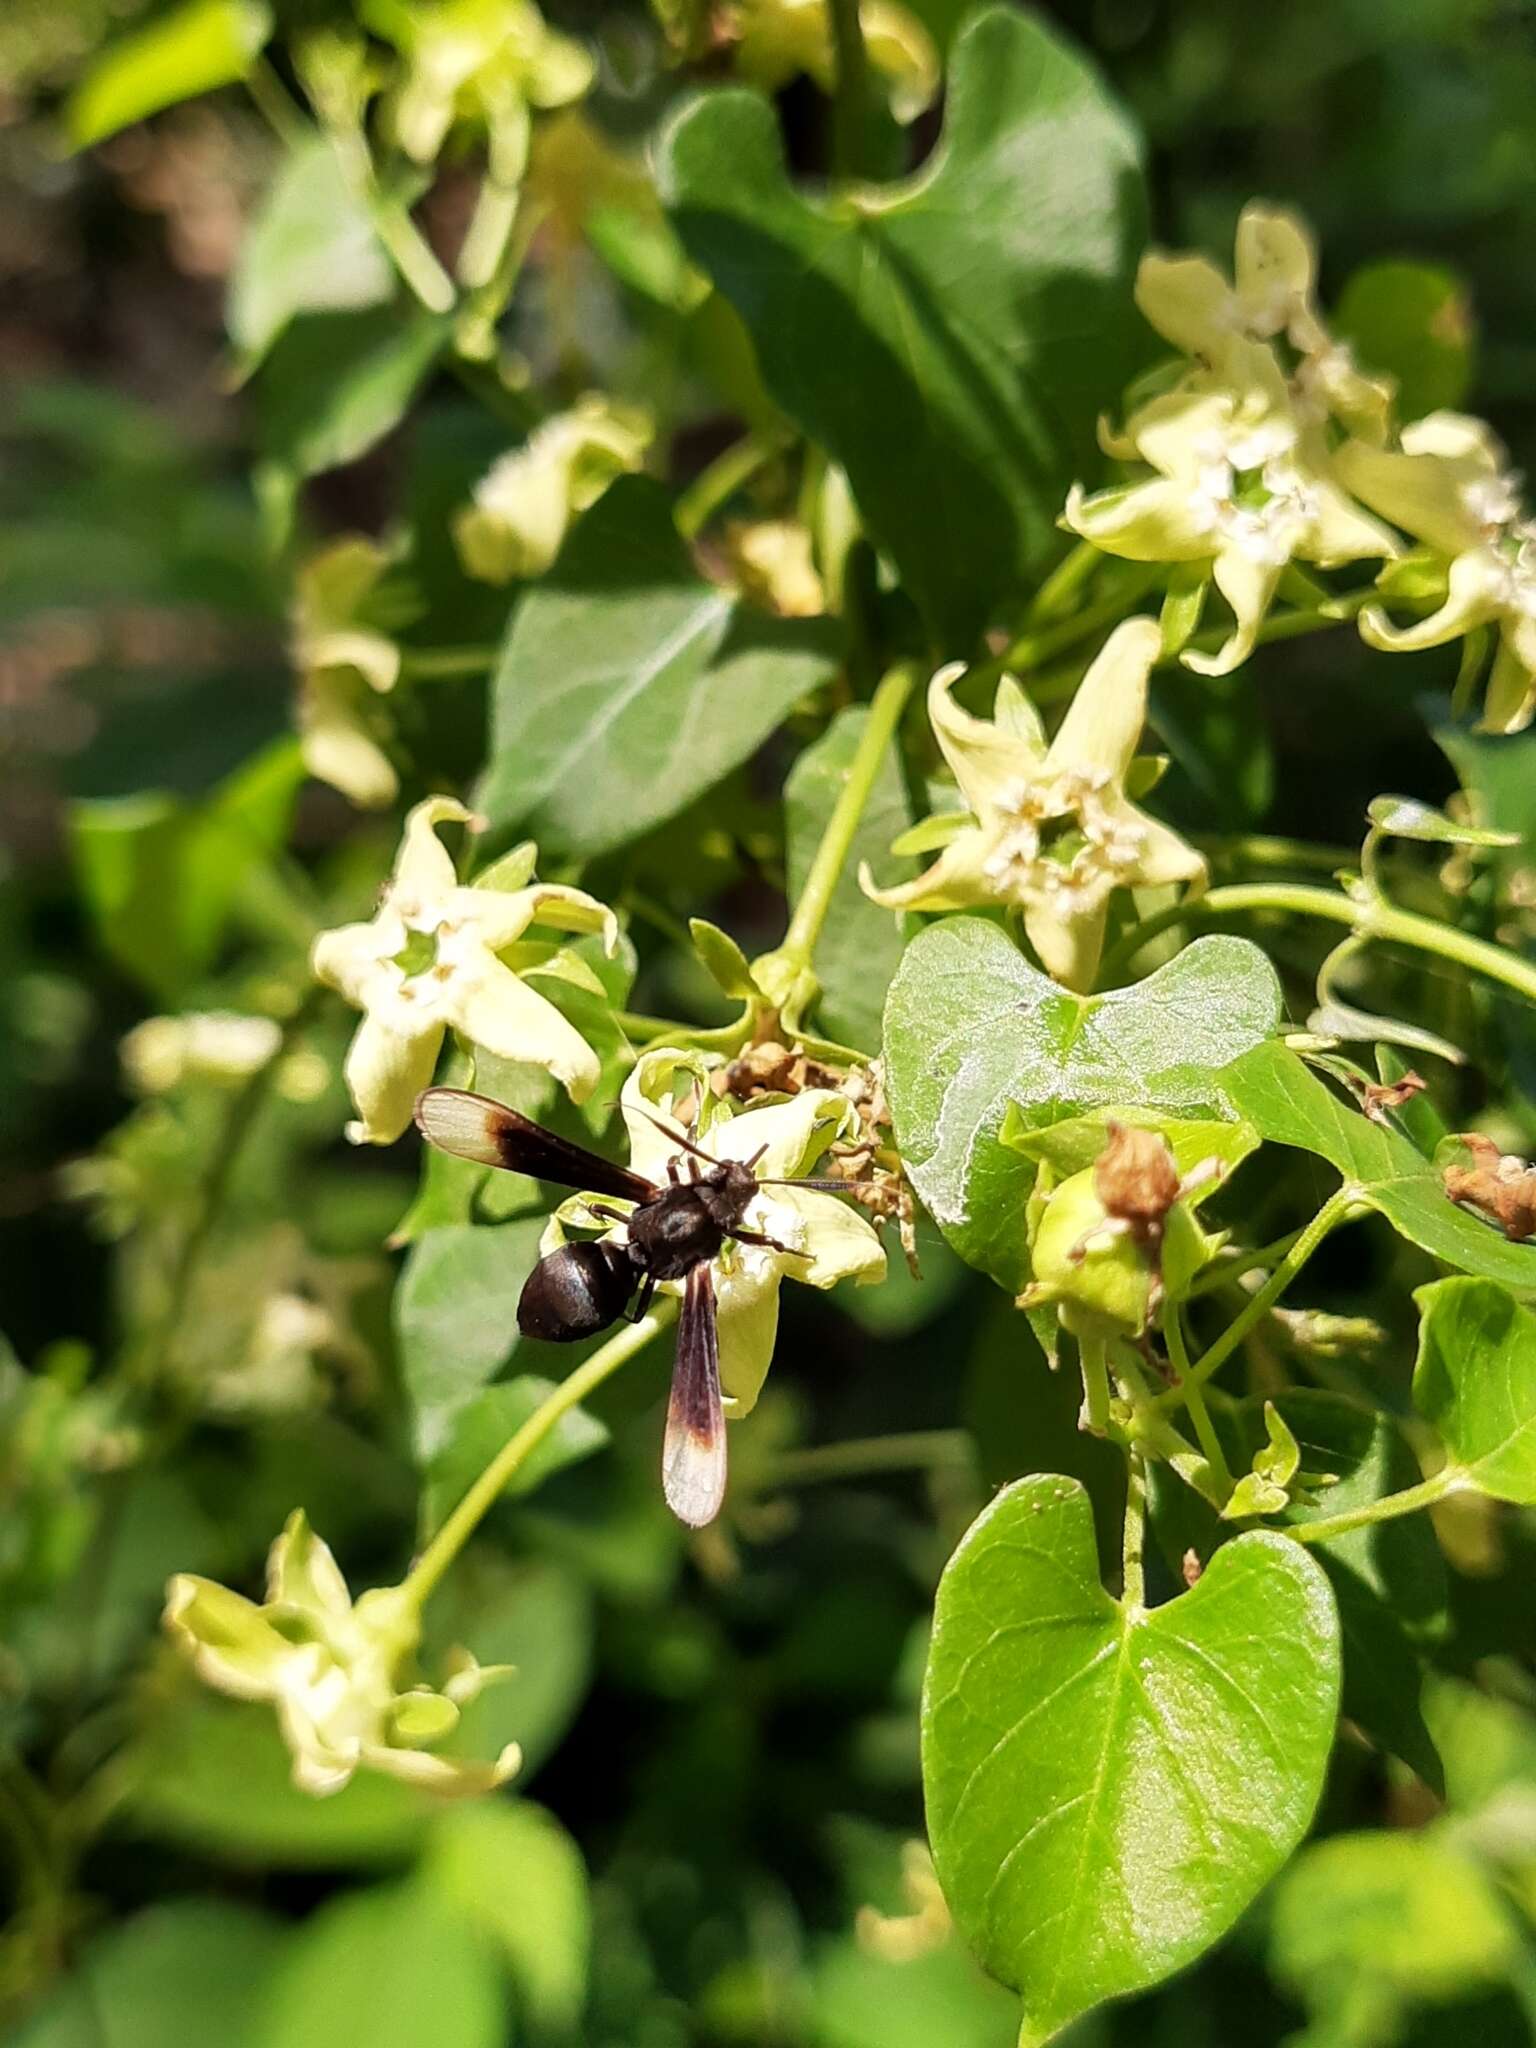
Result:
1475,594
386,1071
985,757
1164,856
1248,584
791,1136
957,880
648,1093
1422,492
302,1573
1186,299
494,1009
1510,704
1158,521
747,1313
1341,532
503,915
1104,721
461,1777
231,1643
839,1243
337,748
424,869
1275,264
1069,940
348,958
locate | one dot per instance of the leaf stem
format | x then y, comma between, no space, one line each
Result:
1439,1486
885,710
851,90
1338,1208
1057,594
444,664
1093,1356
912,1450
1371,920
719,482
1194,1398
450,1539
1133,1542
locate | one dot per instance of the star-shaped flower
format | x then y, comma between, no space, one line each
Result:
432,957
1049,827
524,504
1236,483
331,1667
1271,298
483,62
828,1239
1448,483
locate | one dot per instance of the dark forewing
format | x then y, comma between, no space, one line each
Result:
693,1457
474,1127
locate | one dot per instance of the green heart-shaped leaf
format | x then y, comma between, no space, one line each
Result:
971,1029
948,341
1109,1787
1475,1380
1285,1101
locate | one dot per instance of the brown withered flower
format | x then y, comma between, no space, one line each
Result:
1378,1097
1137,1180
1500,1186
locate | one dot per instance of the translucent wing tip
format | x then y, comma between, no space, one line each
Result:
693,1472
466,1125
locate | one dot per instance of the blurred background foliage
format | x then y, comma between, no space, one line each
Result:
722,1747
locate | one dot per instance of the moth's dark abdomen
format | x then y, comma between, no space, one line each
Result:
575,1292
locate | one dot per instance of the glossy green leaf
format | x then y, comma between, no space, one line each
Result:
728,966
625,673
193,49
1404,817
1475,1380
333,384
164,1976
514,1873
310,249
971,1030
1414,321
859,944
1285,1101
485,1423
394,1966
949,341
1108,1787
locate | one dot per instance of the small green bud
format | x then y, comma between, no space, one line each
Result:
1098,1275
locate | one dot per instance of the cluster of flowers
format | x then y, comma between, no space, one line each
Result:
1271,446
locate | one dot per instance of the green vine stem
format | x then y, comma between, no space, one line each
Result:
885,710
1440,1486
851,94
717,484
915,1450
1369,919
1340,1206
1134,1539
425,1574
444,664
1194,1398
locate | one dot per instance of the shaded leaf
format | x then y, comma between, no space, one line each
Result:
456,1315
950,341
626,674
310,249
335,383
1087,1846
972,1030
1415,321
513,1872
1285,1101
536,1617
1475,1380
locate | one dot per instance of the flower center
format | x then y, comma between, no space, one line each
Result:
1060,839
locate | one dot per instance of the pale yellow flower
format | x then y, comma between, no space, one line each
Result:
1050,828
331,1667
1448,483
1237,483
523,506
828,1239
430,960
1271,298
210,1045
777,39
